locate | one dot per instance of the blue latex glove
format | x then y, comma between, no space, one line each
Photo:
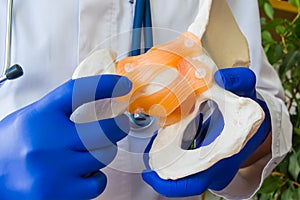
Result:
42,155
240,81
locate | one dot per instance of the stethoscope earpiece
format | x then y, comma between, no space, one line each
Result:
14,72
11,73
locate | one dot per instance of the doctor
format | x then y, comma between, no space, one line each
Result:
42,154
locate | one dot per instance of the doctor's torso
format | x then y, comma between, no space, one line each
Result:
50,38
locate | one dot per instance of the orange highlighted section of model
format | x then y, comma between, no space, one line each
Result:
167,79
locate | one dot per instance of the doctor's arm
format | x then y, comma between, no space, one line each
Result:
263,150
42,153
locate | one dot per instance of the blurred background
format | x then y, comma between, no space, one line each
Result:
280,24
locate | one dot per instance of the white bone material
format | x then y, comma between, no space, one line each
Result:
99,62
227,46
242,118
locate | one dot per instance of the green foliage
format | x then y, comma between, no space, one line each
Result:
281,42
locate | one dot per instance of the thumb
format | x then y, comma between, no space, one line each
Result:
241,81
74,93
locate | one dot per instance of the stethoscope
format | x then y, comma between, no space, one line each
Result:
142,22
9,72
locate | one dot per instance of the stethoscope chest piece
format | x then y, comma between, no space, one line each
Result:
141,120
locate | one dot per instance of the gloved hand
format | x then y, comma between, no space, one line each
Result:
240,81
42,155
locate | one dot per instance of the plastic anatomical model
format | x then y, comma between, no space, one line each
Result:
171,82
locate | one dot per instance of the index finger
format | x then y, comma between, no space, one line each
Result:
192,185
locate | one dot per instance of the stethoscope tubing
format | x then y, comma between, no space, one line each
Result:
9,72
8,36
148,35
142,19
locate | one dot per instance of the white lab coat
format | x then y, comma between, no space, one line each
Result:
50,38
